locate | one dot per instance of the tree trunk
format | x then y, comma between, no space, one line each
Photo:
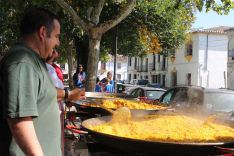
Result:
70,63
92,66
95,30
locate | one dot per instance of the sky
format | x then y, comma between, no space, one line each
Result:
212,19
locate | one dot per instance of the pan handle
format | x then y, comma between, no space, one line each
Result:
75,129
225,149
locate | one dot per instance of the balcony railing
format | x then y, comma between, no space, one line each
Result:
158,67
142,69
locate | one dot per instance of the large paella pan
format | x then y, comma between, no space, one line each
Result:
156,146
97,102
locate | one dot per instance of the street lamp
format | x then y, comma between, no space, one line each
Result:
116,44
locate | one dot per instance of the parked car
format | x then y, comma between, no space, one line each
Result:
146,94
155,85
129,89
124,88
141,82
199,99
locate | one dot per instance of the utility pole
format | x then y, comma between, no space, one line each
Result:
116,49
115,53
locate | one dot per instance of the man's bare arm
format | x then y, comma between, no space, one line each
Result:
23,131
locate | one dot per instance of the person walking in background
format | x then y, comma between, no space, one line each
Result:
108,87
29,116
79,77
108,80
98,87
110,77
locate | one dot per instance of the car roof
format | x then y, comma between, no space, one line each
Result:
151,88
224,90
205,89
187,86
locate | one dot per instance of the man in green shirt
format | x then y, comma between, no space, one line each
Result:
29,114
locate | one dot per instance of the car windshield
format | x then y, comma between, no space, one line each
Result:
219,101
154,94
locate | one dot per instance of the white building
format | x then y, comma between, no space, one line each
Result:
152,67
230,64
121,68
202,62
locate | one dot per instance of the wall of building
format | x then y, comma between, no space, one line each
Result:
121,68
213,71
208,65
146,68
183,66
230,65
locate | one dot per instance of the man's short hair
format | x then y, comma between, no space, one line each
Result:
34,18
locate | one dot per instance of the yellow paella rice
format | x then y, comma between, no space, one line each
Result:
169,128
130,104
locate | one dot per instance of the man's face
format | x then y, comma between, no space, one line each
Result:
52,40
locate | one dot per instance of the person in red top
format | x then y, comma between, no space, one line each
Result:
58,70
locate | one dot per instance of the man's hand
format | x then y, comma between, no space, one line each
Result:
73,95
77,94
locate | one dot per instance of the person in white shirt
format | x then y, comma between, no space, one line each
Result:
51,70
58,84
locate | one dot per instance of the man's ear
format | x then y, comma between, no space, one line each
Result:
42,33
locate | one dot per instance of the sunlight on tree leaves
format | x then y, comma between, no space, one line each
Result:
150,41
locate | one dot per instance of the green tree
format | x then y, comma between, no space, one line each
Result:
151,28
161,19
87,15
10,14
89,20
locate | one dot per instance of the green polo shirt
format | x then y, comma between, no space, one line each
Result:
27,90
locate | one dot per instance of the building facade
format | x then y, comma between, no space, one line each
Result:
152,67
230,64
202,61
121,68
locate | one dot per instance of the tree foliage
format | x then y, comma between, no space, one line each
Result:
11,12
153,26
158,25
155,15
